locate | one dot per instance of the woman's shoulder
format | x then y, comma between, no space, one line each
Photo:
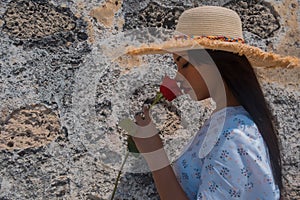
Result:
240,121
235,117
236,114
231,124
240,131
237,126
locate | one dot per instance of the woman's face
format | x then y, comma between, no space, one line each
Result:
190,79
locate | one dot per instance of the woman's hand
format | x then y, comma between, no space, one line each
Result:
143,118
146,137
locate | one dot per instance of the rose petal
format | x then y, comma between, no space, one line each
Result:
170,89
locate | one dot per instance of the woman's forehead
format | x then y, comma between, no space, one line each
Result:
183,54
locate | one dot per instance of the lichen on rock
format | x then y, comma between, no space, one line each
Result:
27,127
106,12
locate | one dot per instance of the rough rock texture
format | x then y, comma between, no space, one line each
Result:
61,98
154,15
29,19
29,127
258,17
285,105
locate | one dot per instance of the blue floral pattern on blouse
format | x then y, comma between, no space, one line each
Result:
235,165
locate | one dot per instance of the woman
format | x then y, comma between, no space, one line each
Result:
235,155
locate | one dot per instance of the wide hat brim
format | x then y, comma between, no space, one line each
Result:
269,66
256,56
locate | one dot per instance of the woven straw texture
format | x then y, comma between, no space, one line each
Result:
256,56
214,21
210,20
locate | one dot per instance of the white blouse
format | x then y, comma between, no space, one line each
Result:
227,159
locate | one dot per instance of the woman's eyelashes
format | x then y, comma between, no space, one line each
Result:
185,65
178,58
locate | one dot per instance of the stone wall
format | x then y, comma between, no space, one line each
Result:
61,97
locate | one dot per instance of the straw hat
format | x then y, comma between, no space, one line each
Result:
216,28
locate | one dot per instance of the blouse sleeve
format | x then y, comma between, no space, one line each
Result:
238,167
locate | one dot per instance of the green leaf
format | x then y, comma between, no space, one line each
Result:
128,125
158,97
131,146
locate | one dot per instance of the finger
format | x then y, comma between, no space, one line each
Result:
146,110
139,120
139,116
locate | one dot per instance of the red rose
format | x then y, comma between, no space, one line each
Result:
170,89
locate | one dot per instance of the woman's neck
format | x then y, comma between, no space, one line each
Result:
230,100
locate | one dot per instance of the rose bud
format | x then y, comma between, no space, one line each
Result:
169,88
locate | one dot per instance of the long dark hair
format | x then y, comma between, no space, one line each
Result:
240,78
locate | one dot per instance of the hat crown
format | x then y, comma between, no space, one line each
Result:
210,21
